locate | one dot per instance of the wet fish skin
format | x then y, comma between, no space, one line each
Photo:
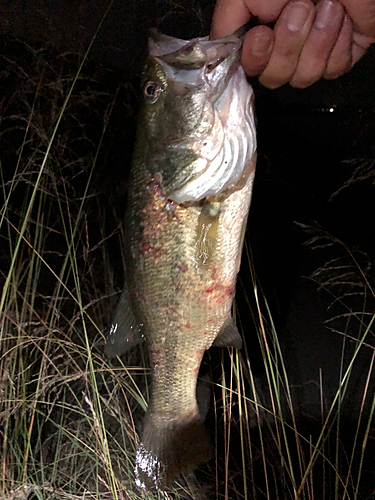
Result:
189,196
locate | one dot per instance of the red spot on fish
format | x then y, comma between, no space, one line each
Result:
222,292
151,212
217,295
205,333
187,325
226,294
213,273
171,310
149,249
210,320
191,416
181,268
155,354
157,207
200,353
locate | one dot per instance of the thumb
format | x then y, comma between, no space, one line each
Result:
362,14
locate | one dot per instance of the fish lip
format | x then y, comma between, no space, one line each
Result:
207,53
161,45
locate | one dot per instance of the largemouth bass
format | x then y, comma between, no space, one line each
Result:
189,195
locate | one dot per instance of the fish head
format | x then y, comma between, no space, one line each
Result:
196,98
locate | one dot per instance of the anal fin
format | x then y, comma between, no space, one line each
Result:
125,333
228,336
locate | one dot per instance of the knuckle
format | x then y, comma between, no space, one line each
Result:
271,82
335,72
303,82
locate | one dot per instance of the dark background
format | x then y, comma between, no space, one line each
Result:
310,141
302,145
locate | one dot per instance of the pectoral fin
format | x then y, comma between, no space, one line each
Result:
228,336
125,333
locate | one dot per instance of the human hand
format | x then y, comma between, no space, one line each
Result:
307,42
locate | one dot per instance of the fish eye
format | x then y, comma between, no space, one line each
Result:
151,91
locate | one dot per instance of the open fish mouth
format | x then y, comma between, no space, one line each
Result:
217,152
192,55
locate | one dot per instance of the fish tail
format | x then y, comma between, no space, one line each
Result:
166,452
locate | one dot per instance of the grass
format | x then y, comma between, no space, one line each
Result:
69,417
52,310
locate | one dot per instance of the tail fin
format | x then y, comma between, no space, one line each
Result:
166,452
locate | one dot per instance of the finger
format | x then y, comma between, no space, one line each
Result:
360,44
340,60
291,31
257,50
319,44
229,15
362,13
266,10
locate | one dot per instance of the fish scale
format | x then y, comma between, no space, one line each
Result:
184,225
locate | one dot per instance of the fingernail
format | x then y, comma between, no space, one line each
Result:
297,16
325,14
261,45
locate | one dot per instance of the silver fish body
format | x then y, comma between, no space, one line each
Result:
189,196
